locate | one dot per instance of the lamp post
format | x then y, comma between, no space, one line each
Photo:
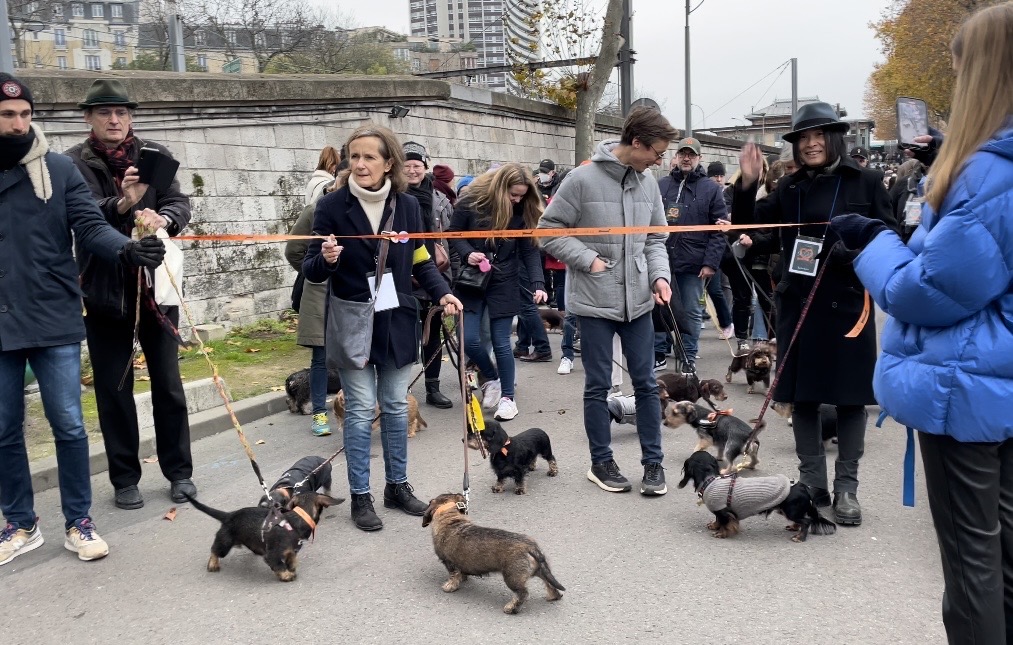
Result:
6,59
689,104
703,116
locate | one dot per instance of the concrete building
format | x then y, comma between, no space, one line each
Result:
69,34
768,124
491,26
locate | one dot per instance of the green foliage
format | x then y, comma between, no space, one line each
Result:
157,62
361,55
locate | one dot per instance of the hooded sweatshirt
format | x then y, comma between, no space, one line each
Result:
605,193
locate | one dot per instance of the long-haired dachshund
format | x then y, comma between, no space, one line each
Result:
684,387
732,498
514,456
728,434
756,363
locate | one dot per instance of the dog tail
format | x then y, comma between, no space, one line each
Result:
543,571
221,516
820,525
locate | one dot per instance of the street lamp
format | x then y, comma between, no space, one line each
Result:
689,104
703,116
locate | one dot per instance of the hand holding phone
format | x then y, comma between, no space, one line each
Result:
156,168
912,121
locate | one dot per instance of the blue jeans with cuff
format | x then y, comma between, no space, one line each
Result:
318,379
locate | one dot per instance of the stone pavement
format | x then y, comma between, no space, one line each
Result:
634,568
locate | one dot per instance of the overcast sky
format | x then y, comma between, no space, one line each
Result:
734,43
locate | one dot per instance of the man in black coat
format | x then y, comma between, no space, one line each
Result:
108,160
45,205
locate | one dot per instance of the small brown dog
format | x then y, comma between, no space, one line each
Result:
415,420
552,319
756,363
470,550
681,387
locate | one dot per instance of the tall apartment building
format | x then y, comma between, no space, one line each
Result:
489,25
72,34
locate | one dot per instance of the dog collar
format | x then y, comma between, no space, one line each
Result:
309,520
503,449
713,416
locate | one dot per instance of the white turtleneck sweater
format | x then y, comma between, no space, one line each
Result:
371,200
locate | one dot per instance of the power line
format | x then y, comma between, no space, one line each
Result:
780,67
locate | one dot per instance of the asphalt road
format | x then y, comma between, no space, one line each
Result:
635,569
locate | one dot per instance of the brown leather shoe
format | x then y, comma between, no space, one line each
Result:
537,357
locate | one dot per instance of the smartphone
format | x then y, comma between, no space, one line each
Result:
912,120
156,169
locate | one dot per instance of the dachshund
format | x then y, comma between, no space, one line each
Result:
515,456
756,363
727,433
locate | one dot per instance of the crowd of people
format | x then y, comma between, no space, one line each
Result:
847,230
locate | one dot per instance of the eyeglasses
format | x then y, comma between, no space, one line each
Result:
658,156
686,152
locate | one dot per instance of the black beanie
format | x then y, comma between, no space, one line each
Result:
12,88
715,169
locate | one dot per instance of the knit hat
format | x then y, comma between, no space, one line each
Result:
416,152
463,183
716,169
13,88
443,173
787,153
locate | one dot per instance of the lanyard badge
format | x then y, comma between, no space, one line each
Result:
804,255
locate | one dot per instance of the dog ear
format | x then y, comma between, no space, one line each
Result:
427,517
662,391
326,501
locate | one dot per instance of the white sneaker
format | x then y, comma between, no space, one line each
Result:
83,539
491,393
727,333
14,542
614,392
623,409
565,366
507,410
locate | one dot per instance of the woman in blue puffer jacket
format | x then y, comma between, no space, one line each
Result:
946,367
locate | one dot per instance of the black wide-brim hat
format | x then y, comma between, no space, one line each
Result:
107,92
815,115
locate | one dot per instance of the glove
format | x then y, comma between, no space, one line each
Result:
145,252
856,231
928,154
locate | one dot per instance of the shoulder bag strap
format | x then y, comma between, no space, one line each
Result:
381,261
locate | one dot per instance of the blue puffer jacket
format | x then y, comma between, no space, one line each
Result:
947,352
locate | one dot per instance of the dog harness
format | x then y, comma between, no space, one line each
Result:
751,496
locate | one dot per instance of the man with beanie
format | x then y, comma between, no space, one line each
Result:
716,171
45,204
436,211
108,160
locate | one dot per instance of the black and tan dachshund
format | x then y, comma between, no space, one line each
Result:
513,457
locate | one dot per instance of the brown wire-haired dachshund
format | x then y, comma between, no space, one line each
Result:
415,420
470,550
280,544
756,363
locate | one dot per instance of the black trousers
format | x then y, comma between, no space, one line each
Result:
742,297
970,487
433,344
812,461
110,343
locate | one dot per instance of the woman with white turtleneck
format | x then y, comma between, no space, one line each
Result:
373,186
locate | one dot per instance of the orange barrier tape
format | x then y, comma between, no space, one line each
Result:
537,232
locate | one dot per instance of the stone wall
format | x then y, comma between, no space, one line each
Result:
247,145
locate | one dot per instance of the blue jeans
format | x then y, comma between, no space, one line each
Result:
596,355
717,294
530,330
318,379
58,370
690,290
569,320
500,330
388,386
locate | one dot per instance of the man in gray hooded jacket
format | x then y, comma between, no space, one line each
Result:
613,283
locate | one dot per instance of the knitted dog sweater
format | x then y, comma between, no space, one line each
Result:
750,496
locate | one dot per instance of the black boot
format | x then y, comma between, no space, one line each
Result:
400,496
434,397
363,514
821,496
847,510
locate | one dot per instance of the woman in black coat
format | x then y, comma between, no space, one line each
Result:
369,195
824,366
503,200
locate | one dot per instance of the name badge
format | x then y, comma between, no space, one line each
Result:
913,211
672,213
803,255
386,298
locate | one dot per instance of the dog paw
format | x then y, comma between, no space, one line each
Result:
511,607
286,576
213,564
713,526
728,377
797,538
720,535
497,489
553,471
450,586
792,527
520,490
750,390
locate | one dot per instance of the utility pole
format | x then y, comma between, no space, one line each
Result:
794,87
626,59
6,58
175,27
689,104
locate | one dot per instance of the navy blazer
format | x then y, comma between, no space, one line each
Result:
396,333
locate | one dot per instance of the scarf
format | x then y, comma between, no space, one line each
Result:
118,159
35,165
424,193
13,148
372,201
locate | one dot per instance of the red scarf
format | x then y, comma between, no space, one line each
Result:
118,159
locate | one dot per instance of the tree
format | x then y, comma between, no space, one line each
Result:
153,37
23,15
336,52
573,29
915,39
158,62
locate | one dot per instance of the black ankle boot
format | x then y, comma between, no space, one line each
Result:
400,496
363,514
847,510
434,397
821,496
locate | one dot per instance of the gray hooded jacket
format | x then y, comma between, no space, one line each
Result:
605,193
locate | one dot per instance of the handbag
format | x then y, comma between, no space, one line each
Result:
165,294
442,258
471,278
349,325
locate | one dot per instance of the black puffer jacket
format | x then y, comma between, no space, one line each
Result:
700,202
512,255
106,287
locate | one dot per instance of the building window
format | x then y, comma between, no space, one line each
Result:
61,62
231,36
199,38
416,65
260,40
60,37
116,10
93,63
90,39
121,62
35,35
38,60
120,39
58,11
77,10
202,61
96,11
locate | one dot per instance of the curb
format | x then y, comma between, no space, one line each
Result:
202,425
